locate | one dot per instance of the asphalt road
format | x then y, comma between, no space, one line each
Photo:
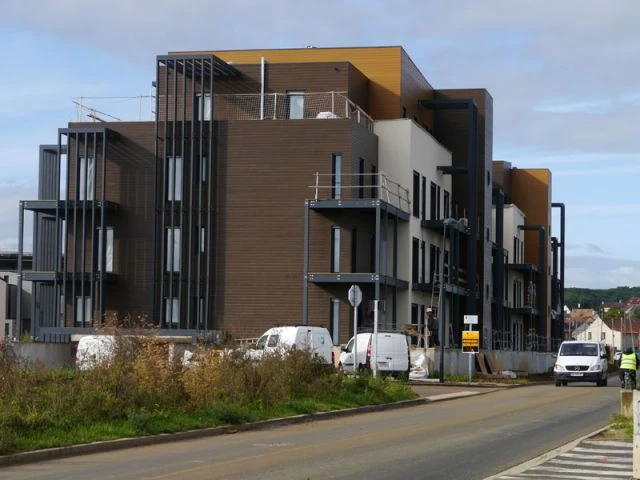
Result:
467,438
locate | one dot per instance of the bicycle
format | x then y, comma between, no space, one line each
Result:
628,381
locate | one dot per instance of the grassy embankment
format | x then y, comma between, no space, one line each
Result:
141,392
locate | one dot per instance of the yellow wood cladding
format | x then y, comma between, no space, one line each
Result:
382,65
531,191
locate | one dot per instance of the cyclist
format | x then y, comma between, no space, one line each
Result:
629,362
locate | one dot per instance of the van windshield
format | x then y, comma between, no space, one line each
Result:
579,350
261,343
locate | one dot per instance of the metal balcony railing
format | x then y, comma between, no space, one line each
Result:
356,186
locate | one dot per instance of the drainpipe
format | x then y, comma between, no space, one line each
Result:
562,247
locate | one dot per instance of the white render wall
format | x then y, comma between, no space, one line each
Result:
405,147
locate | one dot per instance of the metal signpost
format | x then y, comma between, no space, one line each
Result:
470,339
375,337
355,297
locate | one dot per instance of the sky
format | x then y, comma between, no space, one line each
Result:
563,76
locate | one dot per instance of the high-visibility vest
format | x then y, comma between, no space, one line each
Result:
628,361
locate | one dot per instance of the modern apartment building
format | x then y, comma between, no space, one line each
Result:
269,183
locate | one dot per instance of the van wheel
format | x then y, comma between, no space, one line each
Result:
564,383
558,383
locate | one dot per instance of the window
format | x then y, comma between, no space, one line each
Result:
199,306
335,249
423,198
423,266
203,106
296,105
173,250
415,260
335,320
447,205
438,210
83,309
336,178
433,262
172,311
86,186
203,169
434,202
354,249
416,194
174,179
107,249
588,335
202,240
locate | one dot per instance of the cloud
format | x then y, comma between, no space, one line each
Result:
596,106
592,248
601,273
605,209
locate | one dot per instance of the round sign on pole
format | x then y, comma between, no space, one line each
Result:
355,295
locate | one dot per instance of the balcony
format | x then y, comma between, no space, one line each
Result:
250,106
361,190
282,106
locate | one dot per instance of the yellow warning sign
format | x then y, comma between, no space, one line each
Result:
470,341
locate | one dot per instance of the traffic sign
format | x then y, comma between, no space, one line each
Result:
470,341
471,319
355,295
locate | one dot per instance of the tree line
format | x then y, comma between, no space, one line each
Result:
593,298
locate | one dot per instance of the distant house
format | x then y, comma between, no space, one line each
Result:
615,333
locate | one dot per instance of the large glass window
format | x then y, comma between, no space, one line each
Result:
203,106
296,105
447,205
174,179
416,194
86,185
173,250
335,320
434,202
335,249
106,248
83,309
172,311
336,181
415,260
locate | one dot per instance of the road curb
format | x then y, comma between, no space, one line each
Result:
122,443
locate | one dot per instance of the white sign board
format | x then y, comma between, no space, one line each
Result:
470,319
355,295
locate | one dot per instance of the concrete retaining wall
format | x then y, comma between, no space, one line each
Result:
52,355
457,363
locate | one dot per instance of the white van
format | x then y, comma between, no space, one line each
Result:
578,361
393,354
317,340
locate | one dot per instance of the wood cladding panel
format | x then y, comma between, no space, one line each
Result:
265,170
415,87
380,64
